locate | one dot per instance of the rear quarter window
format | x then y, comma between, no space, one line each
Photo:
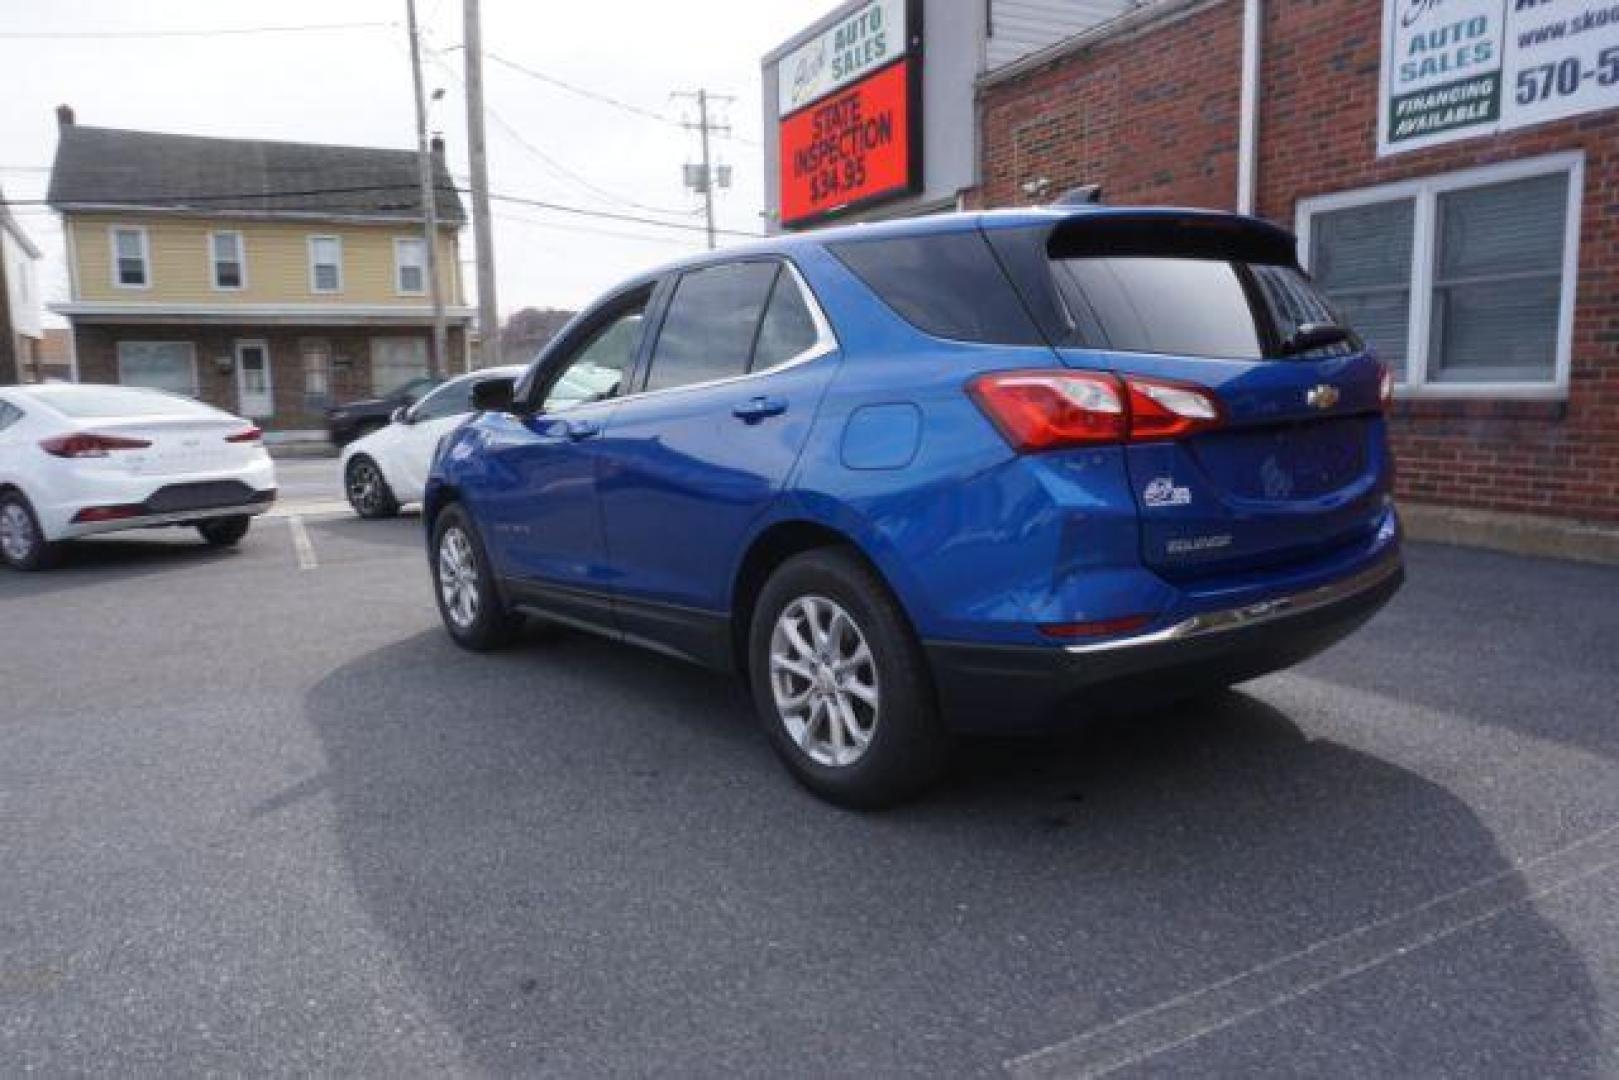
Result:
948,285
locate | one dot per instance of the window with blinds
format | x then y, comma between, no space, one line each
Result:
1461,282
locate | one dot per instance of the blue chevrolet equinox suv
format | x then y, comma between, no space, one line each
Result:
949,475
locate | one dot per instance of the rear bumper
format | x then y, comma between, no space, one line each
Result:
993,688
159,512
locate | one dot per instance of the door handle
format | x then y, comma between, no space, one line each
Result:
756,409
579,430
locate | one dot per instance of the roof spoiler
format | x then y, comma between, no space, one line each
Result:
1169,233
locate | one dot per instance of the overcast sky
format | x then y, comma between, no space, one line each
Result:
353,86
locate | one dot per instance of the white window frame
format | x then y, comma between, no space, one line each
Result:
241,260
190,348
146,254
1424,193
312,241
399,265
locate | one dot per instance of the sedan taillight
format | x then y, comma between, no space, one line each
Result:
84,444
1048,410
251,435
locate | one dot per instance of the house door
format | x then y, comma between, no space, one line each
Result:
253,391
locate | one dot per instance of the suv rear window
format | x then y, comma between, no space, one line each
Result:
945,284
1189,306
1195,284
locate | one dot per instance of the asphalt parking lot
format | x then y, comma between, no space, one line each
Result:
258,815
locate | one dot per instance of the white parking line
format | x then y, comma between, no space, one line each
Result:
1189,1017
301,543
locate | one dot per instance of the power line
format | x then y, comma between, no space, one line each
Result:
581,91
543,205
75,35
546,159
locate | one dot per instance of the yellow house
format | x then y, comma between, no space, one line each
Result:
273,279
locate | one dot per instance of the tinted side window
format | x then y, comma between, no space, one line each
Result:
948,285
447,400
9,414
708,333
788,327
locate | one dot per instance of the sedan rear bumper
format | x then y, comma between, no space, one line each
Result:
1007,689
169,509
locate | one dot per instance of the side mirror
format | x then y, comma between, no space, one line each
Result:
401,415
493,395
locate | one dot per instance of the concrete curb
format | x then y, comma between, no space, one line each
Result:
1520,534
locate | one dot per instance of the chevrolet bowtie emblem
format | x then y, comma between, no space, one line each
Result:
1322,397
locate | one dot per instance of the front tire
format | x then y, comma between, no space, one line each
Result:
224,532
464,584
367,490
22,542
841,685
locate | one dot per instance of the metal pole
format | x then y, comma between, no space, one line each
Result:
483,234
425,172
1248,110
708,169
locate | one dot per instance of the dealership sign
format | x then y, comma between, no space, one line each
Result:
850,115
1453,69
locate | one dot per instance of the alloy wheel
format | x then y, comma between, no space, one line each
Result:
365,486
16,532
458,578
824,681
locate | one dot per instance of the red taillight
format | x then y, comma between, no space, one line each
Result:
251,435
1047,410
1168,410
1040,410
84,444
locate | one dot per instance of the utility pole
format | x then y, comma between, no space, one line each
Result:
483,234
425,173
704,181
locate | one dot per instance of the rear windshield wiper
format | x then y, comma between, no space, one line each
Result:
1313,335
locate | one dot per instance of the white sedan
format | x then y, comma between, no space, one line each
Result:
388,468
82,459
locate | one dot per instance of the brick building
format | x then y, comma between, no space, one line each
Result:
1483,263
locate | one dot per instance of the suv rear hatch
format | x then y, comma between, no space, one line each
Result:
1296,465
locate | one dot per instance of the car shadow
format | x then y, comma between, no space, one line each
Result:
98,560
589,861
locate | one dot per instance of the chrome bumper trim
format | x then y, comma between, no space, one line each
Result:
1218,622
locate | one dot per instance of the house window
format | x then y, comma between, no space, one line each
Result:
131,258
410,266
317,363
326,264
160,365
395,362
1463,283
229,261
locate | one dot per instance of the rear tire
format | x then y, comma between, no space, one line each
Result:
22,542
367,490
464,586
841,684
225,532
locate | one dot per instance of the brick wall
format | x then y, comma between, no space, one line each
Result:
294,410
1153,117
1319,135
